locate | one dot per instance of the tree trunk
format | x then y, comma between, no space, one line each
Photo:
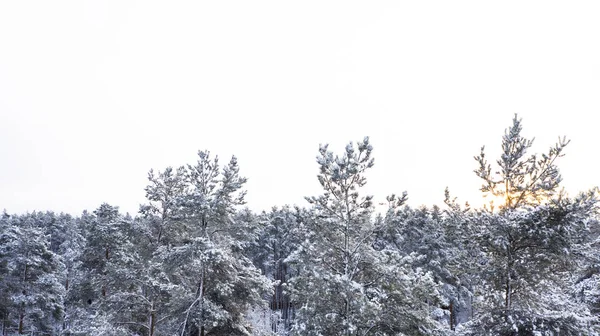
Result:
508,284
152,319
204,233
22,313
21,317
452,317
507,293
4,324
199,299
202,303
472,305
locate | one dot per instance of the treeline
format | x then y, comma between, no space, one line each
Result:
194,262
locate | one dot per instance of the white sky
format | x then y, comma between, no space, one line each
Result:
95,93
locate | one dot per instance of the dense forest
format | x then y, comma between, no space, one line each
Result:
194,261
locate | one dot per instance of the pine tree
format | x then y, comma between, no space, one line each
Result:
31,274
65,240
163,192
105,275
333,291
158,228
521,180
423,235
279,236
465,260
345,286
214,283
529,242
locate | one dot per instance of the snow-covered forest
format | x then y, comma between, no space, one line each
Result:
195,261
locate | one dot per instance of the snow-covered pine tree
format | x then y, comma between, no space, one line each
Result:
335,290
422,233
64,236
105,274
464,259
279,236
529,243
164,190
158,228
30,273
532,256
213,283
521,180
345,286
587,279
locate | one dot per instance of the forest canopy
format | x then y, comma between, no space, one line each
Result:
194,261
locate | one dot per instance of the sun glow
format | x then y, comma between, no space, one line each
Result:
494,202
501,200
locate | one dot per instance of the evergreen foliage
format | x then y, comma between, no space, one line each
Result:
195,262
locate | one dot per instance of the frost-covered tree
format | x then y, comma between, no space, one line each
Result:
529,243
159,226
105,272
345,286
213,283
66,240
422,234
30,273
195,262
531,258
279,236
164,190
465,260
586,283
335,290
521,180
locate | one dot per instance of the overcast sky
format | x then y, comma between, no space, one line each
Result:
95,93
